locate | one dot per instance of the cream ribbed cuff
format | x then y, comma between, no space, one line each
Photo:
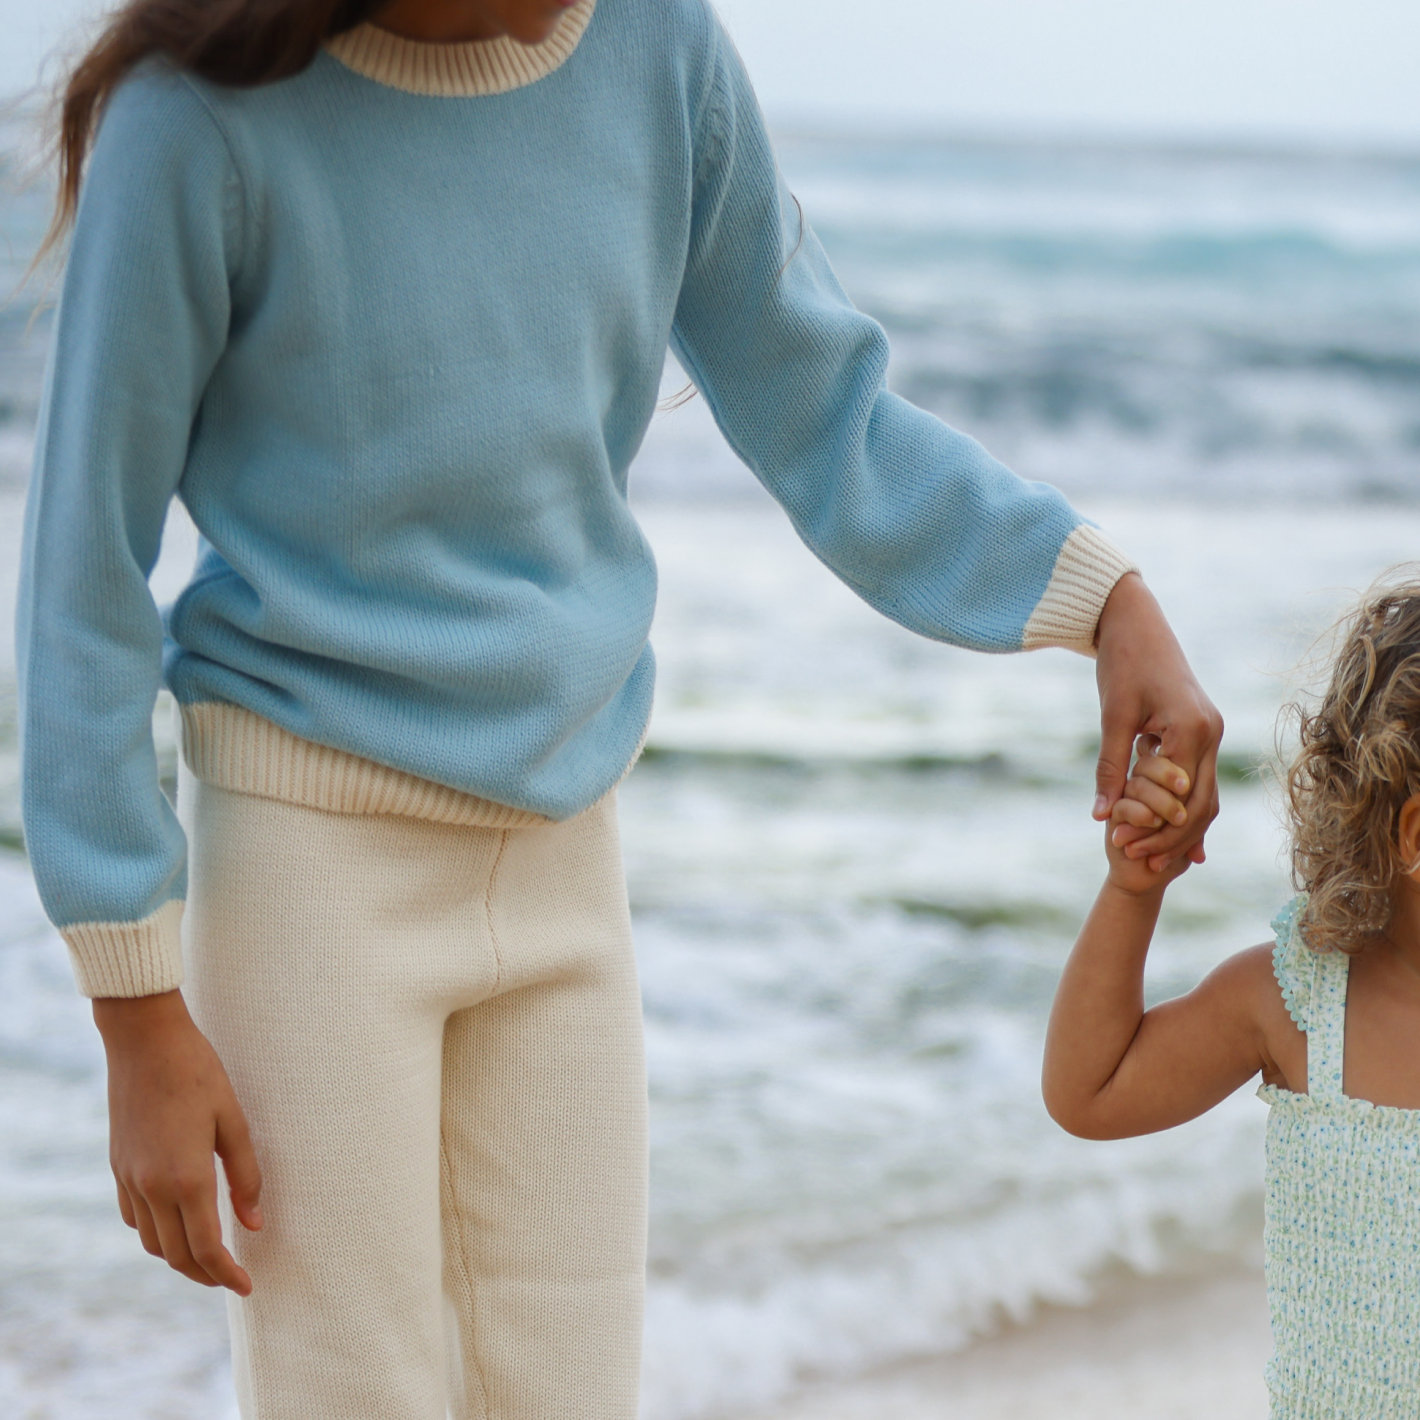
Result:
128,958
236,749
459,71
1068,614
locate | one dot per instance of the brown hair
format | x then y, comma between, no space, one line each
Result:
1357,762
237,42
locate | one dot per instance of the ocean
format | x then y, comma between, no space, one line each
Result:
856,858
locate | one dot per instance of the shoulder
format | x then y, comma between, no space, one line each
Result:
159,132
687,33
158,106
1246,986
1247,979
690,23
675,52
161,174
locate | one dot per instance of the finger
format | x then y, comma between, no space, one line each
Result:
125,1205
1162,772
204,1242
1118,840
1167,842
1131,813
173,1236
1161,802
1189,744
1202,807
196,1211
1116,744
143,1222
234,1147
1182,863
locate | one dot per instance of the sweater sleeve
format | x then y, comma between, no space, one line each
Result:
915,517
142,320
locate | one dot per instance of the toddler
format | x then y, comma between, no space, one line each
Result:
1329,1016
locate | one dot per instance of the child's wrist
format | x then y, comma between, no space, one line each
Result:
1150,893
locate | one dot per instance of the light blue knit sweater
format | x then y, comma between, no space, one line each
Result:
395,352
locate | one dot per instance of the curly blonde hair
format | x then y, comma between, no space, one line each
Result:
1357,762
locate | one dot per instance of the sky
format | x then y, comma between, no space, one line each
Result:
1335,71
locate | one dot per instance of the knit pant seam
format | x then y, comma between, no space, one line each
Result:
463,1280
488,912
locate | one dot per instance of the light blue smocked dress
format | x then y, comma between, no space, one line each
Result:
1342,1237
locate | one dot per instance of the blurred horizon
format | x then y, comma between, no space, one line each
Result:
1258,71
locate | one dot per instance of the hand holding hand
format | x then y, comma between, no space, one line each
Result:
1147,687
1153,796
171,1108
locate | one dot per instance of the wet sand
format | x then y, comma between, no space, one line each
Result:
1151,1350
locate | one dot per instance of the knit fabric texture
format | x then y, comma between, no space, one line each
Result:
1342,1237
393,330
435,1032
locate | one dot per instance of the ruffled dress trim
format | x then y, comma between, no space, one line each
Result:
1313,986
1291,961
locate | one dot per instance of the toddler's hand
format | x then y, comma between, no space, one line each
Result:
1155,794
1134,875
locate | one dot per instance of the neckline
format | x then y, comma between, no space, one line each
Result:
473,69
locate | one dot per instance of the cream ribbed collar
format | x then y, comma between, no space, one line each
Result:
459,71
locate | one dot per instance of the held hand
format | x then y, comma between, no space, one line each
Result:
171,1108
1146,687
1156,794
1135,876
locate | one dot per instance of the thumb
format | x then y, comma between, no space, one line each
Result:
1116,745
234,1148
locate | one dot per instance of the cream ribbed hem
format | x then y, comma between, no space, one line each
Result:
236,749
1086,571
459,71
128,958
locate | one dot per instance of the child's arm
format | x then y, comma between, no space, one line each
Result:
1112,1069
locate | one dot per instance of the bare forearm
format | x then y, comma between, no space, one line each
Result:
1099,1006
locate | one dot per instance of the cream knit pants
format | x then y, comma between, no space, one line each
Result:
435,1031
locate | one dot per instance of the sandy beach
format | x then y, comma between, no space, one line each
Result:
1150,1350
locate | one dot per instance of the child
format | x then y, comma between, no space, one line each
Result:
384,294
1330,1017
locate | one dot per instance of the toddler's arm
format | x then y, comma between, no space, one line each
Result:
1112,1069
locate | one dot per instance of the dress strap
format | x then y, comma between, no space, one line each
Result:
1313,987
1326,1038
